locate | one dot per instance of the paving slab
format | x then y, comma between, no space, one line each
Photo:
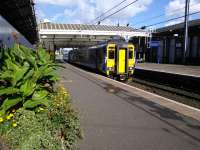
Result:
116,117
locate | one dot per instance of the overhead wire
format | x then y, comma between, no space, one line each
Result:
190,14
158,16
117,11
115,6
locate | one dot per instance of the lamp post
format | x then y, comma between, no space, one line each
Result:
187,8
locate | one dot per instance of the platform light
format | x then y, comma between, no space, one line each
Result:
43,36
175,35
131,68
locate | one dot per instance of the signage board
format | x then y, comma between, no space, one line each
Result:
154,43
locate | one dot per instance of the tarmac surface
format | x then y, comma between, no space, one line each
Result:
171,68
116,117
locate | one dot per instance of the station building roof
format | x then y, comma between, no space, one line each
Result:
21,15
193,24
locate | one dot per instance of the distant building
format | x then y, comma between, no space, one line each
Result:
167,45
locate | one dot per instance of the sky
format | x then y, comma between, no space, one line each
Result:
141,13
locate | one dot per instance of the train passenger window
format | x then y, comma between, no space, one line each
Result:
111,54
111,47
130,54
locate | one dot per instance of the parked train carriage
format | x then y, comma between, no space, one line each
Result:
112,59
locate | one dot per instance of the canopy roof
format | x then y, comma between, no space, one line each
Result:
55,26
193,24
79,35
21,15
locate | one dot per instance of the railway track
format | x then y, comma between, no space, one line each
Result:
169,86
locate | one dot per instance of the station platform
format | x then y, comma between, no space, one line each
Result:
193,71
116,116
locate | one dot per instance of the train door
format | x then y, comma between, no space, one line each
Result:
122,61
131,60
110,59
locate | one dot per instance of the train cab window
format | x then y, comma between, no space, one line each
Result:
130,54
111,54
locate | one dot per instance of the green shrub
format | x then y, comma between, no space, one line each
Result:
26,78
31,132
64,117
34,115
54,128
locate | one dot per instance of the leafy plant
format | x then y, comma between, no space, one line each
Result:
54,128
65,118
42,116
26,78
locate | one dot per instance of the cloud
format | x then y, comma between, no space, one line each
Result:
132,10
56,17
58,2
40,15
46,20
175,8
85,11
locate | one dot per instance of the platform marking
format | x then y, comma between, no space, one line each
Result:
181,104
158,96
66,81
129,86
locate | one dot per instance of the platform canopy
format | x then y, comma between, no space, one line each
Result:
21,15
79,35
194,27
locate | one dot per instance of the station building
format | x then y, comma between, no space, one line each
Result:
167,45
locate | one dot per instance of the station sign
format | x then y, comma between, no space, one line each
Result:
154,43
126,38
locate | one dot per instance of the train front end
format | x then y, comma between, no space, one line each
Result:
120,61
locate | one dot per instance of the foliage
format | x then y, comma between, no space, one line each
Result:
65,118
30,133
54,128
26,78
33,114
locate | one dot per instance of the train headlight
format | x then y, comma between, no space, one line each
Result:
131,68
110,68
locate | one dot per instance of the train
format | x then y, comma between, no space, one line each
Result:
113,59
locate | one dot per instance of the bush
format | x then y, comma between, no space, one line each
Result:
26,78
54,128
33,114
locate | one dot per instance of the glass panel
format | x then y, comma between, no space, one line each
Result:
130,54
111,54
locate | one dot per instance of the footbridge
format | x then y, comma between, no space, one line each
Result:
78,35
